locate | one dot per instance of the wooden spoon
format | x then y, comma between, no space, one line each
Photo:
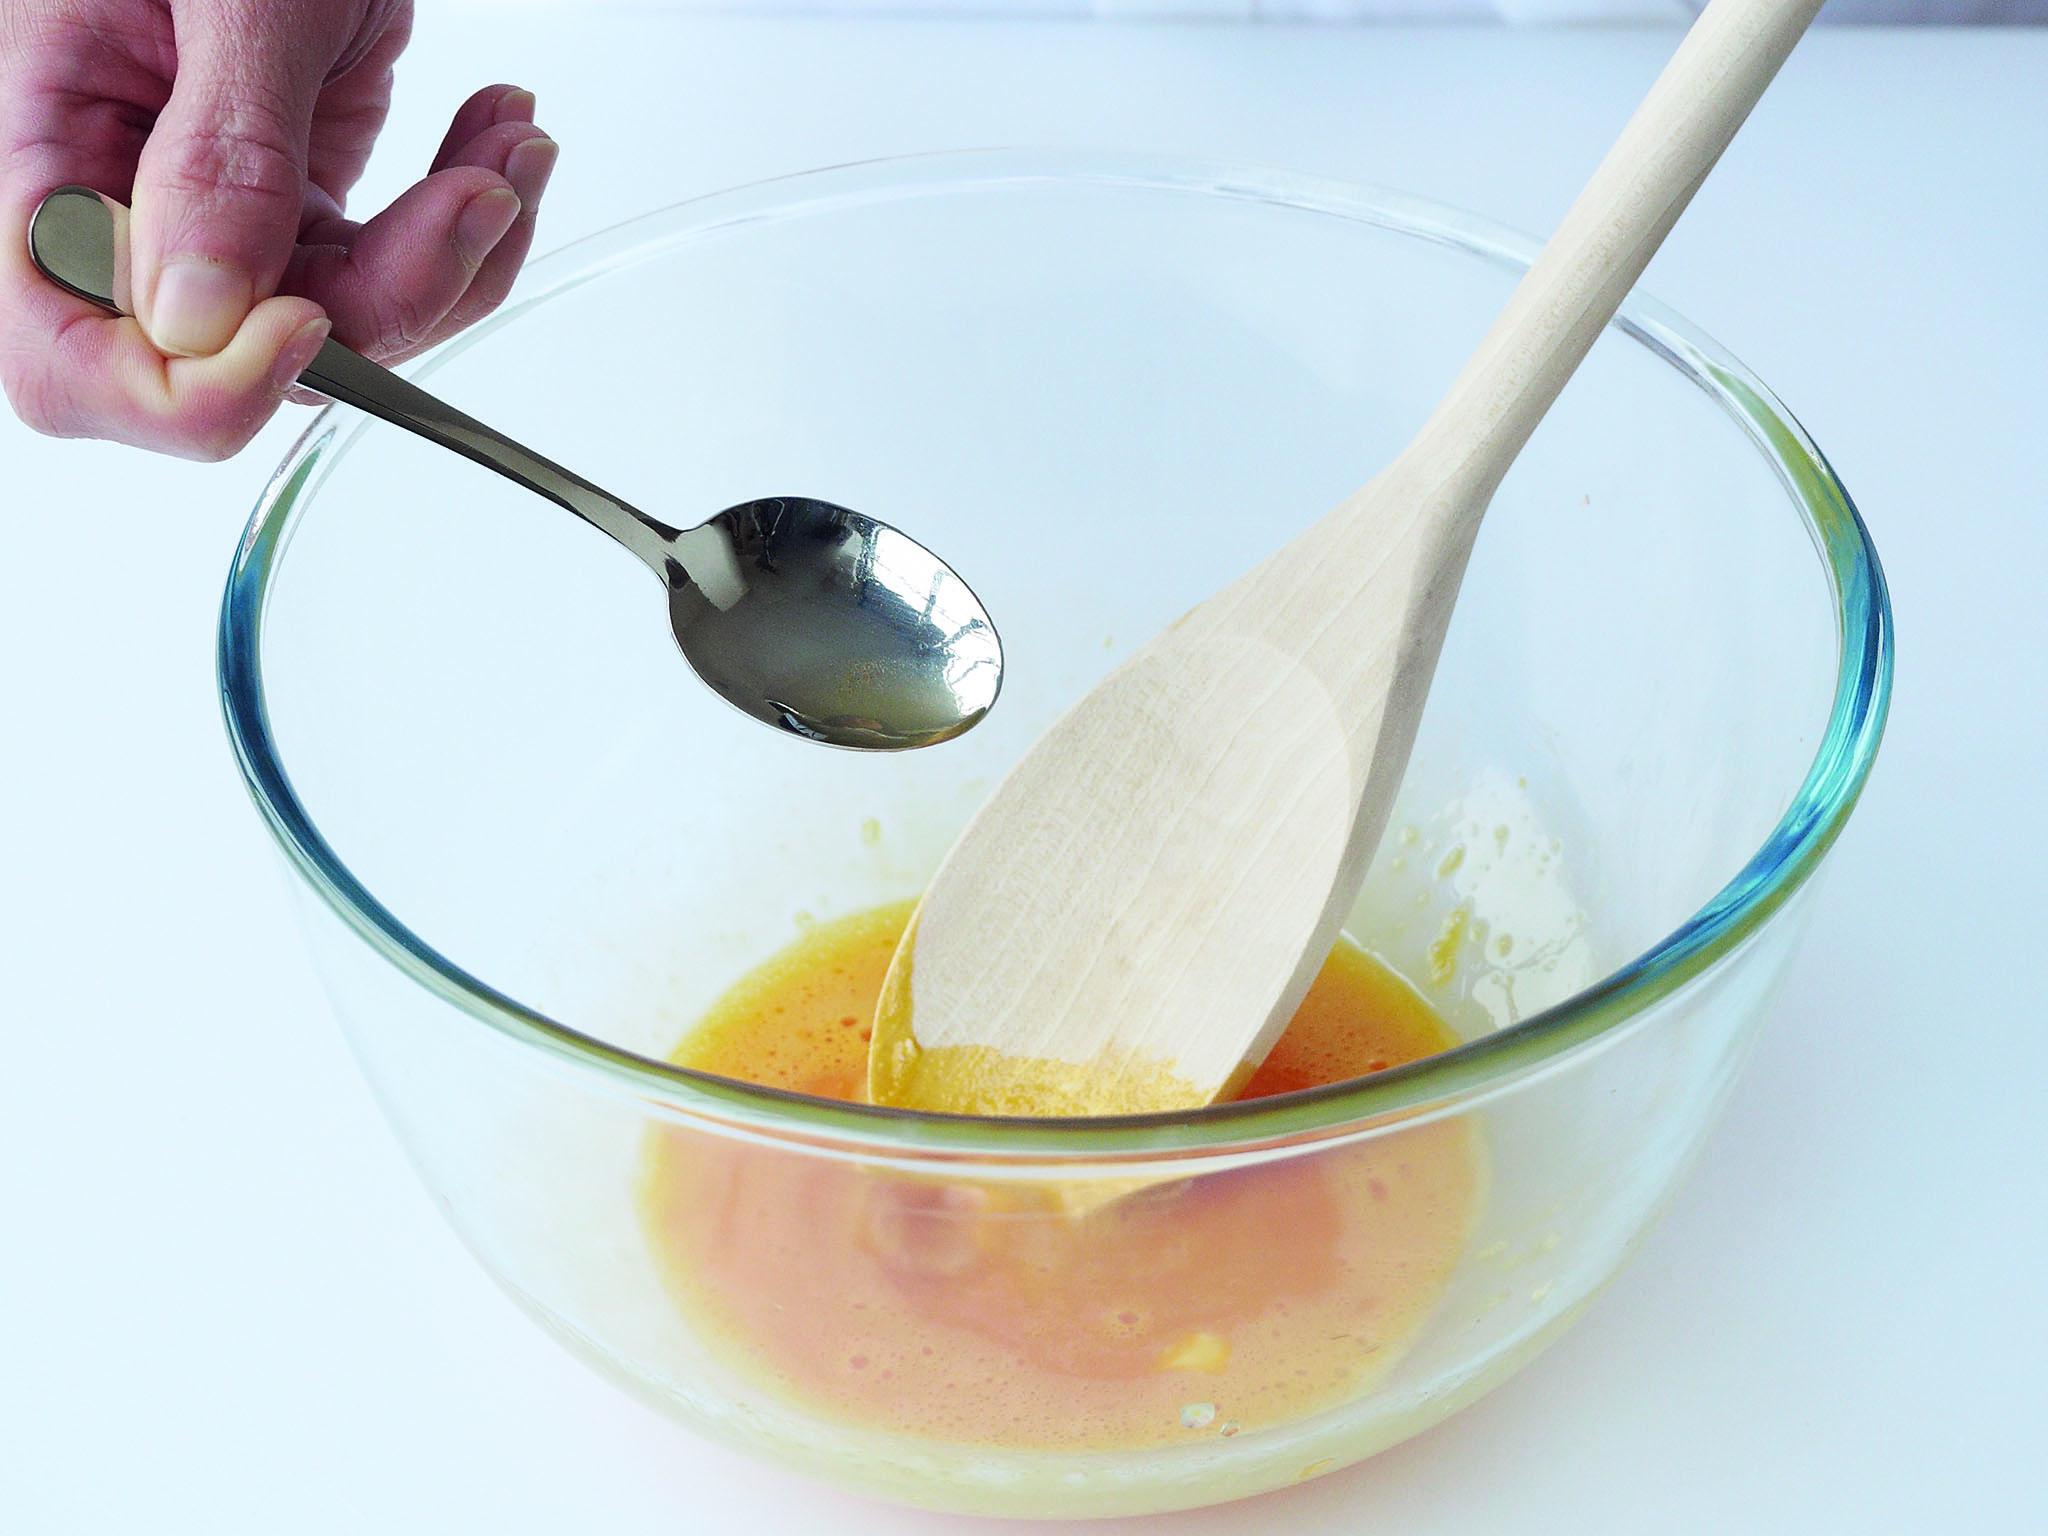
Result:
1129,922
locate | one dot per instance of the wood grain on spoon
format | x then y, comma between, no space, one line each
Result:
1128,923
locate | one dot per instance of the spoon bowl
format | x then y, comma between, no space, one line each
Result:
827,624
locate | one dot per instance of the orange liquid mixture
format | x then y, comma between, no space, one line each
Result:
1019,1315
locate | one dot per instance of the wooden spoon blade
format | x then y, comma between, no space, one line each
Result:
1131,919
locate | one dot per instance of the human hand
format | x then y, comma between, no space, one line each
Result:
234,129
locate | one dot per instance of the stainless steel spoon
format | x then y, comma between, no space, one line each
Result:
817,620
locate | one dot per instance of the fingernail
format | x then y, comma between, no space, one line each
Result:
514,107
528,168
298,353
198,305
483,222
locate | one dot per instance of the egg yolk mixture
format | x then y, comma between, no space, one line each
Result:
1016,1315
985,1080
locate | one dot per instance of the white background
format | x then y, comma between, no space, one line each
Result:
225,1305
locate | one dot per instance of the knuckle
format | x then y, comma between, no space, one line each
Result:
478,308
401,326
242,144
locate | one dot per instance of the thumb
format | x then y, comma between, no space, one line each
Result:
220,184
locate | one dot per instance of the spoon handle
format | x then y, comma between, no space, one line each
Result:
347,376
1603,243
79,240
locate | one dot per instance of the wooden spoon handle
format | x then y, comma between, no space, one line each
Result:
1604,242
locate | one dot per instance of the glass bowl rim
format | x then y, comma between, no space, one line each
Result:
1793,850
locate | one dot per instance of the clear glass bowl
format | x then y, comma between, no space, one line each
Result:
532,847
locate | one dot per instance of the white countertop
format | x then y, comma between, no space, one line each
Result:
226,1305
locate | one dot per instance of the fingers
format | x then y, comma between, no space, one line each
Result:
216,404
444,254
72,370
219,186
389,282
100,376
527,166
492,105
221,197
